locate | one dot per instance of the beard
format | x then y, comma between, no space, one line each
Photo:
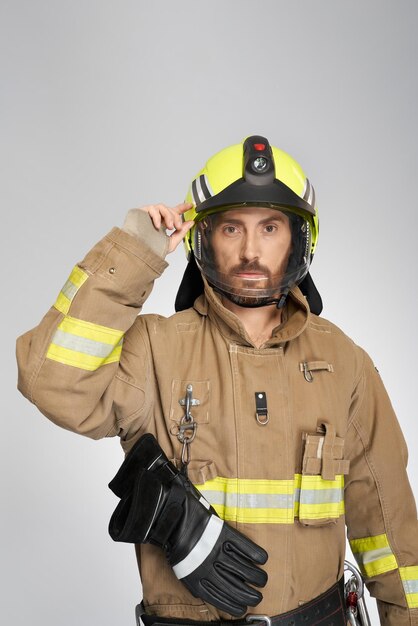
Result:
235,287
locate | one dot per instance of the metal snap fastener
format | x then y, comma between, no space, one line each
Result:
112,270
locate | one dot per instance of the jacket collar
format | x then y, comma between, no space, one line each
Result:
295,318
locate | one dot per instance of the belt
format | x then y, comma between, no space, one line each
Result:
328,609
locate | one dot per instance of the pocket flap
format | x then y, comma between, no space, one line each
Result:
324,452
198,472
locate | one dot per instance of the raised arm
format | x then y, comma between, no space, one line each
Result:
76,365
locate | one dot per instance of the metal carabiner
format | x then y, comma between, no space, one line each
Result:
187,425
184,427
358,582
189,401
189,398
357,613
352,619
185,456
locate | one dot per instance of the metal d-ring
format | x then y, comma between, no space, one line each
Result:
307,373
262,422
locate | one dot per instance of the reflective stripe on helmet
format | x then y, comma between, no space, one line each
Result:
309,194
200,190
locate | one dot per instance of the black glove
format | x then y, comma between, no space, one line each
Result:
160,505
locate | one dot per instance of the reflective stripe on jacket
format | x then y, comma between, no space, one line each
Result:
331,453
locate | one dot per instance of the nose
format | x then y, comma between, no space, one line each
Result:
250,247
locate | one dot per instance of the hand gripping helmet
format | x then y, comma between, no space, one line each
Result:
250,175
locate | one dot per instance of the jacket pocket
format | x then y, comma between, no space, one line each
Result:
321,483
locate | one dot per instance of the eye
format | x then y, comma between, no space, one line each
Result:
270,228
230,229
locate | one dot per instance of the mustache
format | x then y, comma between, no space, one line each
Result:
252,266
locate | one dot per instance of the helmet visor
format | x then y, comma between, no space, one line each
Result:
253,254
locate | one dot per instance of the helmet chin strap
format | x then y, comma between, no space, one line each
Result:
240,300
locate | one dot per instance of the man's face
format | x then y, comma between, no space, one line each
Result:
251,247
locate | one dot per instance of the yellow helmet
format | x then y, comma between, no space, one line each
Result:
252,174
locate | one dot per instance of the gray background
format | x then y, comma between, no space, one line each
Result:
109,105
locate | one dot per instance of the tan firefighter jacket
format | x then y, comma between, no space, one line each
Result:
332,453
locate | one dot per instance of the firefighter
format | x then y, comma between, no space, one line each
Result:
255,430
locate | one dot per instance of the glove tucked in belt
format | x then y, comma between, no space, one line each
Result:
159,505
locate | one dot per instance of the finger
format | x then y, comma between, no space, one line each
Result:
183,207
217,596
240,561
234,580
178,235
155,216
178,221
161,215
247,548
169,217
179,209
245,569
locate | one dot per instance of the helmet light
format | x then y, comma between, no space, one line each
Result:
260,164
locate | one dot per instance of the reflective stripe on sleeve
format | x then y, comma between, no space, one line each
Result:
67,293
201,550
409,577
373,555
274,501
85,345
